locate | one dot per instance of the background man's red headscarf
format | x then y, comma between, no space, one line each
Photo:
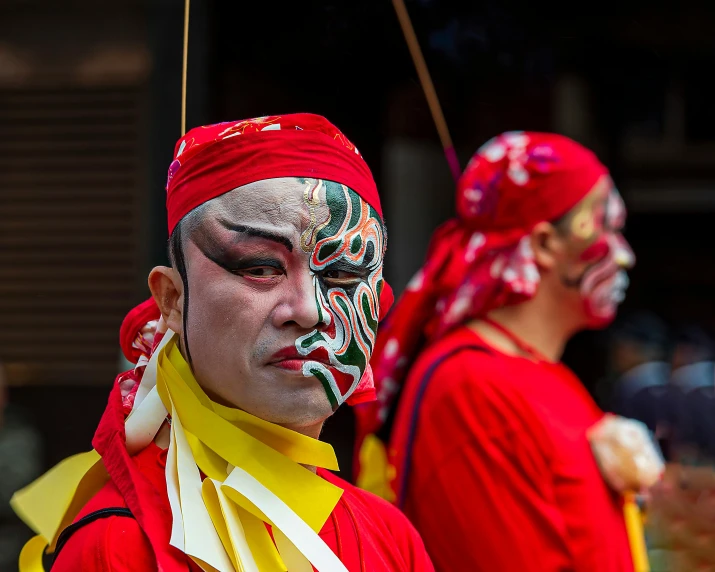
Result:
481,259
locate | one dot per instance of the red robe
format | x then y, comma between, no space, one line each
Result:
367,533
501,476
364,531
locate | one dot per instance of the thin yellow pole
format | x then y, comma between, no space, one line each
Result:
427,86
185,66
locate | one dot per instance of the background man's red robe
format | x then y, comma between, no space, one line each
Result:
501,476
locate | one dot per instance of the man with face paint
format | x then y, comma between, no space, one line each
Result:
489,445
207,456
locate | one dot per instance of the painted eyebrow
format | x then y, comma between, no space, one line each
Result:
258,233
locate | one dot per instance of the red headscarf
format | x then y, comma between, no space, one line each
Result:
482,259
210,161
131,340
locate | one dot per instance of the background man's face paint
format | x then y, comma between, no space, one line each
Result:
347,272
604,282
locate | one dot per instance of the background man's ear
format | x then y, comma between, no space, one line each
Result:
547,244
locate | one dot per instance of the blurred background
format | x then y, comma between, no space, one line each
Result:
90,112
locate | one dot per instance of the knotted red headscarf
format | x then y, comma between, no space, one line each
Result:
481,259
210,161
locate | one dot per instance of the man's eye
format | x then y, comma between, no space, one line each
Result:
341,276
262,271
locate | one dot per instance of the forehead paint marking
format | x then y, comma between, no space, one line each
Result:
615,211
585,221
311,196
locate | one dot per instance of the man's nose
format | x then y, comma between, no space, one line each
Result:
301,305
623,253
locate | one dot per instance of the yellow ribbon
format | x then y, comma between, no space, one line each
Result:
376,472
254,476
265,484
51,503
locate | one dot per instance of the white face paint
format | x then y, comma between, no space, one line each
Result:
604,282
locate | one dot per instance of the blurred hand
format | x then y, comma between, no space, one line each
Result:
626,454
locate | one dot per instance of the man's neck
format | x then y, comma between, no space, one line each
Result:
533,324
162,438
309,431
314,430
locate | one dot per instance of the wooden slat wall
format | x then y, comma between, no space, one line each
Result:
69,230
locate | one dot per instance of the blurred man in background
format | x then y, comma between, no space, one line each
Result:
491,443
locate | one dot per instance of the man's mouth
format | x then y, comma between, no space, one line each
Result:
603,300
598,274
289,358
612,291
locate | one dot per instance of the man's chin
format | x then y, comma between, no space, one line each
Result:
603,318
304,416
302,401
301,415
601,304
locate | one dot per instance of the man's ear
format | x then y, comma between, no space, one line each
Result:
547,245
167,288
